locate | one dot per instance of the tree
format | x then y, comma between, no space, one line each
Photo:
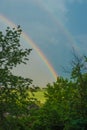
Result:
79,75
14,99
66,101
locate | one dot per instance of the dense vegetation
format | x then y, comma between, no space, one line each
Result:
65,104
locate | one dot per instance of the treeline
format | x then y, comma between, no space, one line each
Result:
66,99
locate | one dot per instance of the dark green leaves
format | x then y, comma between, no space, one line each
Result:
14,96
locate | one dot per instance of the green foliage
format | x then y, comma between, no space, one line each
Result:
65,107
47,118
14,98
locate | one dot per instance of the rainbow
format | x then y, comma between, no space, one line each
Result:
32,43
60,25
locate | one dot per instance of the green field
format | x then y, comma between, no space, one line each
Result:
39,95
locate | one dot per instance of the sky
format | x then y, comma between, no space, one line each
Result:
55,26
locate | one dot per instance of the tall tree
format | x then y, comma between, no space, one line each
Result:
79,75
14,100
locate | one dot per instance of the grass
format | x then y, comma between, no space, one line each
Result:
39,95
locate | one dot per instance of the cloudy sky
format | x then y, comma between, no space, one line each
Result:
55,26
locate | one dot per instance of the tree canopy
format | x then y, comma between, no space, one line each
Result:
14,99
65,107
